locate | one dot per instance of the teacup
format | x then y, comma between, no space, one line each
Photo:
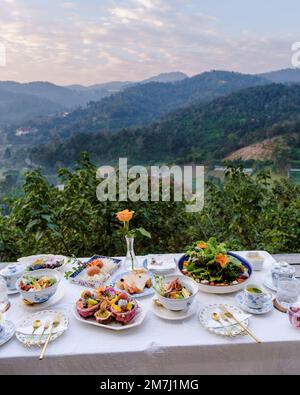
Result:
11,274
256,297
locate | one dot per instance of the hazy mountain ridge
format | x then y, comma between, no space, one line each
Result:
143,104
201,133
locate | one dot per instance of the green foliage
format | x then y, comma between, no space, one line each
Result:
246,213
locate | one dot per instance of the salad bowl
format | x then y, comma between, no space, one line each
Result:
34,293
181,301
214,269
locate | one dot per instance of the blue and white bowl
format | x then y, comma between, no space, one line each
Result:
179,304
42,296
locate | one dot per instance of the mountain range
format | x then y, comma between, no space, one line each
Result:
171,117
23,102
202,133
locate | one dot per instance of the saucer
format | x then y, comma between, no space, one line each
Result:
9,331
166,314
240,300
269,283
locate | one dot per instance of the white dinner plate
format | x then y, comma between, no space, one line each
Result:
24,327
166,314
114,326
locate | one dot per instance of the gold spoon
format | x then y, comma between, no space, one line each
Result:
229,316
216,317
55,323
46,327
35,326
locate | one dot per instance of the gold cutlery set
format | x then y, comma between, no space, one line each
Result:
229,318
48,329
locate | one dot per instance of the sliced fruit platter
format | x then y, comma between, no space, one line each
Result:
108,307
214,268
95,272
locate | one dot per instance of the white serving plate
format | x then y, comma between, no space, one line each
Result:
23,327
114,326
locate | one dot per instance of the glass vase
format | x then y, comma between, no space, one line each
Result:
131,261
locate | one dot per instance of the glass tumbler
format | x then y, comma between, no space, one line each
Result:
288,292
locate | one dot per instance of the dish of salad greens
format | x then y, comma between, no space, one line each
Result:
209,263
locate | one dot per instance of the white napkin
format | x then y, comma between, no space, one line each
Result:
163,263
27,330
239,316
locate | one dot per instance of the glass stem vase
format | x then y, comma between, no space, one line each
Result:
131,261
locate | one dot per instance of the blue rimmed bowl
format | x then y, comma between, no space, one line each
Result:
222,289
42,296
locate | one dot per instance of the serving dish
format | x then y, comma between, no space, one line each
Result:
95,272
43,261
38,286
107,307
216,270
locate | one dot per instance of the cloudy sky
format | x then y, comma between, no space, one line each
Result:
92,41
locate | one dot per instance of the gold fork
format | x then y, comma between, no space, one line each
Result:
35,326
55,323
46,327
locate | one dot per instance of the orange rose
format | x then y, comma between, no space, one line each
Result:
222,260
201,246
125,216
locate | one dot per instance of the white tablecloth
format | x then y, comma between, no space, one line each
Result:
158,346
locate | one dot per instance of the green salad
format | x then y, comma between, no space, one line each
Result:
208,263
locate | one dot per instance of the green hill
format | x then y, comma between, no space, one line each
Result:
201,133
143,104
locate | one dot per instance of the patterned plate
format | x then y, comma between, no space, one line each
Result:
146,292
205,316
37,340
9,331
